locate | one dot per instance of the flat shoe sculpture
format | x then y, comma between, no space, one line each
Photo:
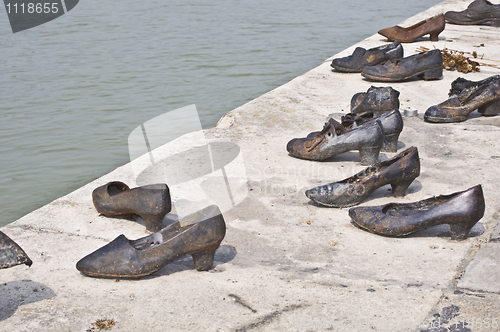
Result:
461,210
124,258
151,202
399,172
426,65
11,254
478,12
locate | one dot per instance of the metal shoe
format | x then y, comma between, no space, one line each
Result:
426,65
461,84
361,57
461,210
334,139
478,12
432,26
151,202
124,258
376,100
399,172
11,254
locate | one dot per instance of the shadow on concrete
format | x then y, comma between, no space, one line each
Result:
21,292
224,254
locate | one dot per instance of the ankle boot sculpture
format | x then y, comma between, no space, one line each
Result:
461,210
483,96
124,258
399,172
375,101
335,139
151,202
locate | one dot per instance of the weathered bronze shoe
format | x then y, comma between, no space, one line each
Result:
432,26
458,108
151,202
426,65
461,210
478,12
123,258
376,100
361,57
399,172
392,124
334,139
461,84
11,254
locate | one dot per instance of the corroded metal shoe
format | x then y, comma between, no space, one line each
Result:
392,124
483,97
11,254
478,12
426,65
399,172
461,84
376,100
124,258
461,210
432,26
151,202
361,57
334,139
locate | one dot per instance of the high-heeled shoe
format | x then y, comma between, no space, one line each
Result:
456,109
461,84
392,124
399,172
461,210
334,139
11,254
376,100
124,258
151,202
432,26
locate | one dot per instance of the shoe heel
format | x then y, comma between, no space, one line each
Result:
390,143
152,222
203,260
369,155
432,74
399,189
434,36
461,230
491,109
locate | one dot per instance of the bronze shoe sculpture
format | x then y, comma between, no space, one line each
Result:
461,210
392,124
478,12
335,139
11,254
458,108
151,202
426,65
361,57
124,258
432,26
376,100
461,84
399,172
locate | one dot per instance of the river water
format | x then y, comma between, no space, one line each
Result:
73,89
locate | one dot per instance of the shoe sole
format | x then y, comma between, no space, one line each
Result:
426,75
434,119
494,22
346,70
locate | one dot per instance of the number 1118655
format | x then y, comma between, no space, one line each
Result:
32,8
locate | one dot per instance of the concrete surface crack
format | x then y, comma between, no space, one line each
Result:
268,318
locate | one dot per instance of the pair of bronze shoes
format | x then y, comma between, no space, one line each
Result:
465,97
198,234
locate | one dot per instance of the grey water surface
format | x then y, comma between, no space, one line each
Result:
73,89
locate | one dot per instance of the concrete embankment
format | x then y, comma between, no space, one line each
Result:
287,264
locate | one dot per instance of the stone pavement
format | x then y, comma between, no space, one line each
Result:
287,264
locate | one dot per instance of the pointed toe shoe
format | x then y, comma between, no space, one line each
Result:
124,258
461,210
151,202
11,254
399,172
432,26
